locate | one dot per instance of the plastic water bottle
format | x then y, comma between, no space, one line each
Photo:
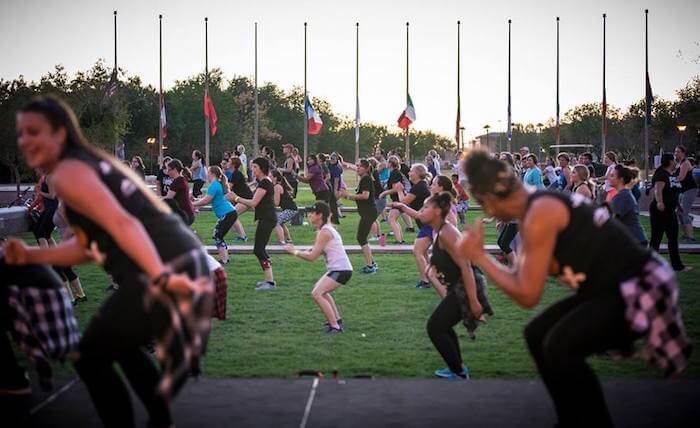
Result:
382,240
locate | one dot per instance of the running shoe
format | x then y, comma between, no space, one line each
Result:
224,263
266,285
373,238
242,238
423,284
448,374
340,324
390,234
81,299
332,330
370,269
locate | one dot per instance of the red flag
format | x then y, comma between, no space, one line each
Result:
210,112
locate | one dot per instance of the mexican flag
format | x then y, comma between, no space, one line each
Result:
408,116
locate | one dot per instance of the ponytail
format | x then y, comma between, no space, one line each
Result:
220,177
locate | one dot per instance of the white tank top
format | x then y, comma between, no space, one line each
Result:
334,253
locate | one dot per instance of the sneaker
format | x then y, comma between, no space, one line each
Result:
81,299
448,374
224,263
390,234
688,239
111,287
340,324
265,285
373,238
423,284
242,238
370,269
332,330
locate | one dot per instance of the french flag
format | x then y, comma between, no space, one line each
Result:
315,122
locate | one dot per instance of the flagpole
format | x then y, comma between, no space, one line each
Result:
115,71
206,88
647,120
306,118
460,143
357,91
558,123
407,154
605,102
256,150
510,125
160,101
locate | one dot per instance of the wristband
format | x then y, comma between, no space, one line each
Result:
161,280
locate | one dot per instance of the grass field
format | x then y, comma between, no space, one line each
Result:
275,334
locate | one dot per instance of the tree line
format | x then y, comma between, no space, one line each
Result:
130,115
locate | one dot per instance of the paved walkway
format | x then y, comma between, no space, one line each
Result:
370,403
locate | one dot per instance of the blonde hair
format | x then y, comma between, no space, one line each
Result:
220,177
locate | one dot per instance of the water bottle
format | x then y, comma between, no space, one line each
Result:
382,240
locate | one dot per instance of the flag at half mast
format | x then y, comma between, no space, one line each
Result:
408,116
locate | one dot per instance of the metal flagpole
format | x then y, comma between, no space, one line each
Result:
206,88
604,124
306,118
407,154
357,91
115,67
510,124
160,101
256,149
558,122
460,143
647,123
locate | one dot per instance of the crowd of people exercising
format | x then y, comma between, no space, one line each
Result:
587,234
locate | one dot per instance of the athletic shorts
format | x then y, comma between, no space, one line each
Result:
425,231
340,276
380,203
462,206
285,216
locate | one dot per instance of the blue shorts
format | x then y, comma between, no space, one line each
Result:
425,231
340,276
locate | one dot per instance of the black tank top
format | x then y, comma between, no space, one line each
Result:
688,182
167,231
49,204
594,250
286,201
444,264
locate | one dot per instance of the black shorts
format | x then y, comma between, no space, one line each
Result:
340,276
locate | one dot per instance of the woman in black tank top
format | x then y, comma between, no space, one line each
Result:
566,236
461,302
154,257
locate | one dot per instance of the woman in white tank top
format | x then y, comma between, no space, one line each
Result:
328,242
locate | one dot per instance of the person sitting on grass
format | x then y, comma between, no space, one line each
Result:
329,242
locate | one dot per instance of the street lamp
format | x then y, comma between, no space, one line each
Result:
681,130
150,141
487,127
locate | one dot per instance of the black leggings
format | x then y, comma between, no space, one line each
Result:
66,273
447,315
118,333
262,237
562,337
223,225
665,222
197,188
364,228
505,238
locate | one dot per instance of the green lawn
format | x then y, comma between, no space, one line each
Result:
275,334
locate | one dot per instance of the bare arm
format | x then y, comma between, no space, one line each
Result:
322,237
685,169
252,203
203,201
90,198
67,253
525,284
658,195
278,194
450,240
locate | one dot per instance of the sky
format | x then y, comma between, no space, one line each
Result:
36,35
